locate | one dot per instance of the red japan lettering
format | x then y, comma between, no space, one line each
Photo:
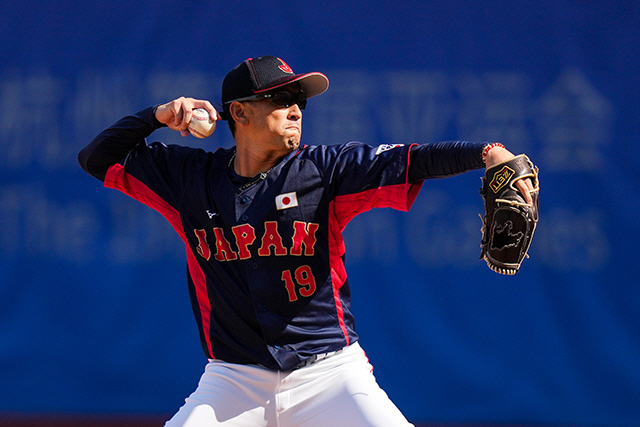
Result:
304,234
245,236
271,238
203,247
223,247
303,241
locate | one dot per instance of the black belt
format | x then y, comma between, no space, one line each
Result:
316,358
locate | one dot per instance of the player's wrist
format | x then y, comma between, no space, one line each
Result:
156,123
488,148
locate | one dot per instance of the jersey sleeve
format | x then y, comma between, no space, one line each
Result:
158,170
113,144
361,177
121,157
443,159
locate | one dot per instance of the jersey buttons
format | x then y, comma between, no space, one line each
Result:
245,199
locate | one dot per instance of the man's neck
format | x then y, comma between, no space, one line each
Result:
250,162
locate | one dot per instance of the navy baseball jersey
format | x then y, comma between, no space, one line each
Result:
265,255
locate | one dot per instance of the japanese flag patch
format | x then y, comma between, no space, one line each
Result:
286,201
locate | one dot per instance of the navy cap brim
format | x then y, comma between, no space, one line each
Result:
312,84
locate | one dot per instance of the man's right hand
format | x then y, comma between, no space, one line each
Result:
177,113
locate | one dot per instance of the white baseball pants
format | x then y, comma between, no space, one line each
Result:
333,392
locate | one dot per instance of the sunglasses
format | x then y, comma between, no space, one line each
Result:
281,99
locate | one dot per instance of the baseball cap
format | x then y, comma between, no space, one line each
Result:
259,75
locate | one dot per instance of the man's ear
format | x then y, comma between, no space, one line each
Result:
238,112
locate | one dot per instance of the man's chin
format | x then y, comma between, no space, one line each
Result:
293,142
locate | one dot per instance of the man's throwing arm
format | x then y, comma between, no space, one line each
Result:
113,144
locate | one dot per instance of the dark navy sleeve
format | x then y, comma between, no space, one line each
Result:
442,159
360,177
356,167
113,144
121,157
361,168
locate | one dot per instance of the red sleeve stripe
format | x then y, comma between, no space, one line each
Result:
118,179
399,196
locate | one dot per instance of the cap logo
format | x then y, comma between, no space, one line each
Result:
284,67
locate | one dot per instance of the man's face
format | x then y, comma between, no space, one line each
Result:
276,126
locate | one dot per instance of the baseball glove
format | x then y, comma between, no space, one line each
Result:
508,223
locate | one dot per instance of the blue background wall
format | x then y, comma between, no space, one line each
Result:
94,312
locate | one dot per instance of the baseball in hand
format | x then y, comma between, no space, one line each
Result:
201,125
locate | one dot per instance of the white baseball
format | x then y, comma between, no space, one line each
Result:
201,125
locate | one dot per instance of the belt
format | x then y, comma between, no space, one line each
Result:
316,358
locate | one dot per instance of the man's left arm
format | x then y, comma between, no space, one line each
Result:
443,159
449,158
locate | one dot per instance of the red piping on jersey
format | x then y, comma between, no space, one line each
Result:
338,272
118,178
